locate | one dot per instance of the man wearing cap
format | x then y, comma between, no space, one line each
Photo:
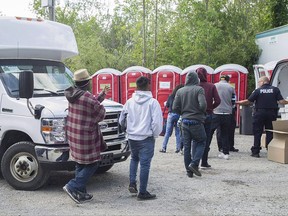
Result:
84,136
222,114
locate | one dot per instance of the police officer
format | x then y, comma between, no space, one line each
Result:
266,99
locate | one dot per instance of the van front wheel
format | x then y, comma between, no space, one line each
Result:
21,169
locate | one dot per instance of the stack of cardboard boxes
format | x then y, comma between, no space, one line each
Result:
278,147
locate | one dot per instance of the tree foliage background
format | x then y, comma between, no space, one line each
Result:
152,33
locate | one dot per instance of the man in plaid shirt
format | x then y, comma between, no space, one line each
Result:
84,136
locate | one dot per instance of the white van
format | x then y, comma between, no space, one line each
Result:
33,107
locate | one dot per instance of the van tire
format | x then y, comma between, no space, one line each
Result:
21,168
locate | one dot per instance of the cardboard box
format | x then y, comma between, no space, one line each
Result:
263,141
278,147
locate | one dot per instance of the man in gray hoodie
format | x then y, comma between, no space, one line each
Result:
190,103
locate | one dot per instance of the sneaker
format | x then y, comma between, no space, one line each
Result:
146,196
177,151
78,196
162,151
220,155
75,196
205,165
85,197
224,156
189,174
255,155
234,150
133,188
194,169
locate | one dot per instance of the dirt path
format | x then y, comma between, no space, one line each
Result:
240,186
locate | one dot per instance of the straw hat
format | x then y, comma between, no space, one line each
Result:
81,75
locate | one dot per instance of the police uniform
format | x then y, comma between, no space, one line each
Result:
266,108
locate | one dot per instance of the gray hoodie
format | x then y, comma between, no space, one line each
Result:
190,100
144,116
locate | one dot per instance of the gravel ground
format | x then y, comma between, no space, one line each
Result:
240,186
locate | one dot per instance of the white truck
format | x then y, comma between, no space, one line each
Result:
33,108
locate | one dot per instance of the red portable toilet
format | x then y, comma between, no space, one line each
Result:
104,77
194,68
128,80
164,79
238,79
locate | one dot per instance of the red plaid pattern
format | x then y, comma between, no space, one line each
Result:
83,132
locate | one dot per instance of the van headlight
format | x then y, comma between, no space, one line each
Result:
53,130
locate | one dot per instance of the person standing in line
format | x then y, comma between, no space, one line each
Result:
84,136
231,133
172,120
266,99
190,103
212,100
223,114
144,124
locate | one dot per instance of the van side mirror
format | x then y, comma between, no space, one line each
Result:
26,84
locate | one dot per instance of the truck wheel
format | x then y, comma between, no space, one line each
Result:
21,169
103,169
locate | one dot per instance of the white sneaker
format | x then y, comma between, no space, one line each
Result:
220,155
224,156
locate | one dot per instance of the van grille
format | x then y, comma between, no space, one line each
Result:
110,127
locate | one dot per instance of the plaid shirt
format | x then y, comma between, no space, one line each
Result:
84,136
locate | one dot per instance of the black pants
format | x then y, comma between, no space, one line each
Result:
222,121
231,134
262,118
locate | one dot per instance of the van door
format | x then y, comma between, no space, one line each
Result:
279,77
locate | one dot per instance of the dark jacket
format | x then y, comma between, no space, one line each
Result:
211,93
190,100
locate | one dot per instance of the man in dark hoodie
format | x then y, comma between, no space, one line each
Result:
84,136
191,104
212,100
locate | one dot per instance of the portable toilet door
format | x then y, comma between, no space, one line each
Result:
128,80
194,68
164,79
107,77
238,79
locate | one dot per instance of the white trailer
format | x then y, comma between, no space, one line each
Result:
273,44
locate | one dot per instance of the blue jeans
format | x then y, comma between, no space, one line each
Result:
141,151
172,122
82,174
194,138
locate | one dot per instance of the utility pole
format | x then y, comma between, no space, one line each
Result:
144,35
51,7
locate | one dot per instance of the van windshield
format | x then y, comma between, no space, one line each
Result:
50,78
